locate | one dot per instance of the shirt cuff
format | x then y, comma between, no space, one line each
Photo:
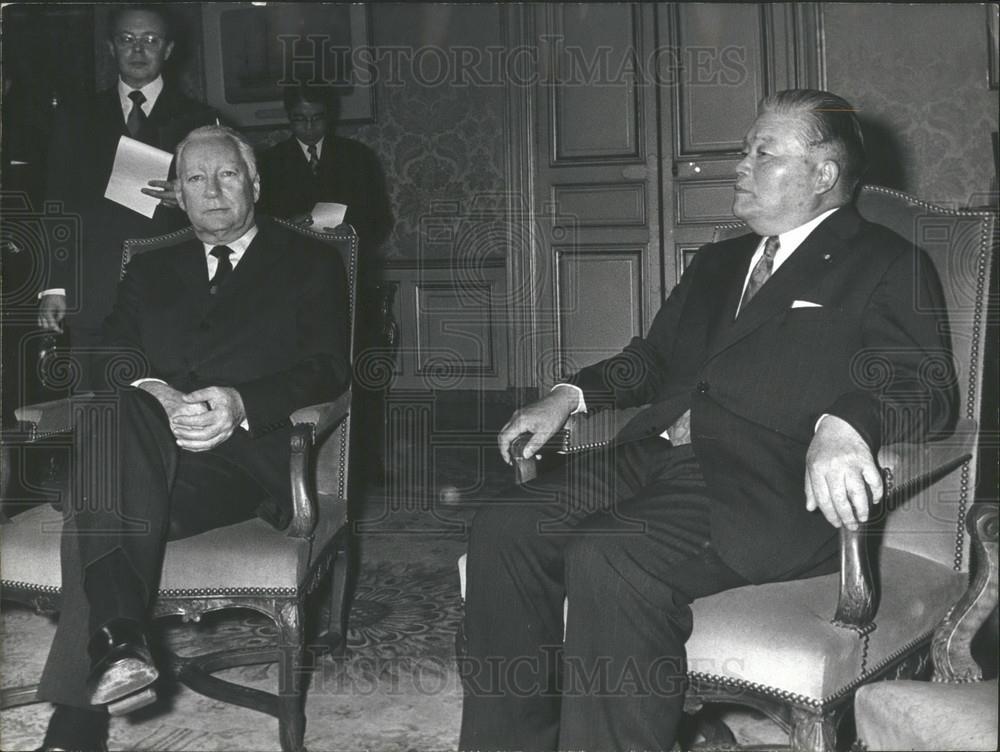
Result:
52,291
139,382
581,405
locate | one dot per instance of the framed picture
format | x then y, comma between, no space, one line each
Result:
253,51
993,40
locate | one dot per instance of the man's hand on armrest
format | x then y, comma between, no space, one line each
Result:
842,479
201,431
541,419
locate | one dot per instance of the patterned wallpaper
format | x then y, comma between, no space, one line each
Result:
436,143
919,75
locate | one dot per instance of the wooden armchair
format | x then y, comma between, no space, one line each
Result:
798,651
957,710
249,565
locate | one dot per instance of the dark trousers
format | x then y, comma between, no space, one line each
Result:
132,490
623,532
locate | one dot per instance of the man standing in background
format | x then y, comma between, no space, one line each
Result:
143,106
314,165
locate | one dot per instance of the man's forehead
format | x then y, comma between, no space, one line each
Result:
140,21
220,151
772,128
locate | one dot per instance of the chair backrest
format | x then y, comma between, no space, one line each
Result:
961,245
332,466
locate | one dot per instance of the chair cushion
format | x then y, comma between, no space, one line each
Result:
250,555
914,715
779,636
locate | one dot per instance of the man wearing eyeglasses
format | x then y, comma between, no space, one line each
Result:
143,106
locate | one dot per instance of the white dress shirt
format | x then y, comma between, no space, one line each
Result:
305,148
788,242
151,91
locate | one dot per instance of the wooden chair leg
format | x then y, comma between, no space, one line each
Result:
814,731
291,678
334,635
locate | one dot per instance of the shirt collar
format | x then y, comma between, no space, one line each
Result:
792,239
305,148
151,91
238,246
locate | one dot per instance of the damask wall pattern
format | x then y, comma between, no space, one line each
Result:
437,143
919,75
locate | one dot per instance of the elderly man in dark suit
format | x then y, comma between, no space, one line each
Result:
234,330
143,106
758,419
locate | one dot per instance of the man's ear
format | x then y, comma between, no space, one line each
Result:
827,175
168,50
178,193
256,187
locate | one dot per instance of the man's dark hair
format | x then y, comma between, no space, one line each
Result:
830,121
327,96
157,10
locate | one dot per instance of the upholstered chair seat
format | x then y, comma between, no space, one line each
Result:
918,715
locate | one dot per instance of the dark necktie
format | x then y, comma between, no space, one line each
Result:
136,118
313,159
761,271
222,270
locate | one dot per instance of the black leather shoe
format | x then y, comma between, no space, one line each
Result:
100,748
121,667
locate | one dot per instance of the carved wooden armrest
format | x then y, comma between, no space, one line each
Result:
905,468
951,648
310,425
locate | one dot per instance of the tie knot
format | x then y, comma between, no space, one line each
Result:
221,252
771,246
137,96
312,150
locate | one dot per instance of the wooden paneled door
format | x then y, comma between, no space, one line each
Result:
640,111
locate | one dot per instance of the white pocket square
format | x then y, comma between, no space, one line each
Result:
805,304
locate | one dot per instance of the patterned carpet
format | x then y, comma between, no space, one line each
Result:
394,689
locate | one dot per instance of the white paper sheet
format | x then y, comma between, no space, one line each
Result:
135,165
327,215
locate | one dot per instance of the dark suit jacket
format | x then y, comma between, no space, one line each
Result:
81,155
756,386
349,173
277,330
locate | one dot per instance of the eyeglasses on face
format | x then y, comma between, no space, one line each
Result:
152,41
302,120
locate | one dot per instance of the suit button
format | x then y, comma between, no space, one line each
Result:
702,387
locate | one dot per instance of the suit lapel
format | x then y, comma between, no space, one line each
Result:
191,268
252,273
803,271
729,284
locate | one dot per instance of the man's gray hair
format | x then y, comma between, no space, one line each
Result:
224,132
829,121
